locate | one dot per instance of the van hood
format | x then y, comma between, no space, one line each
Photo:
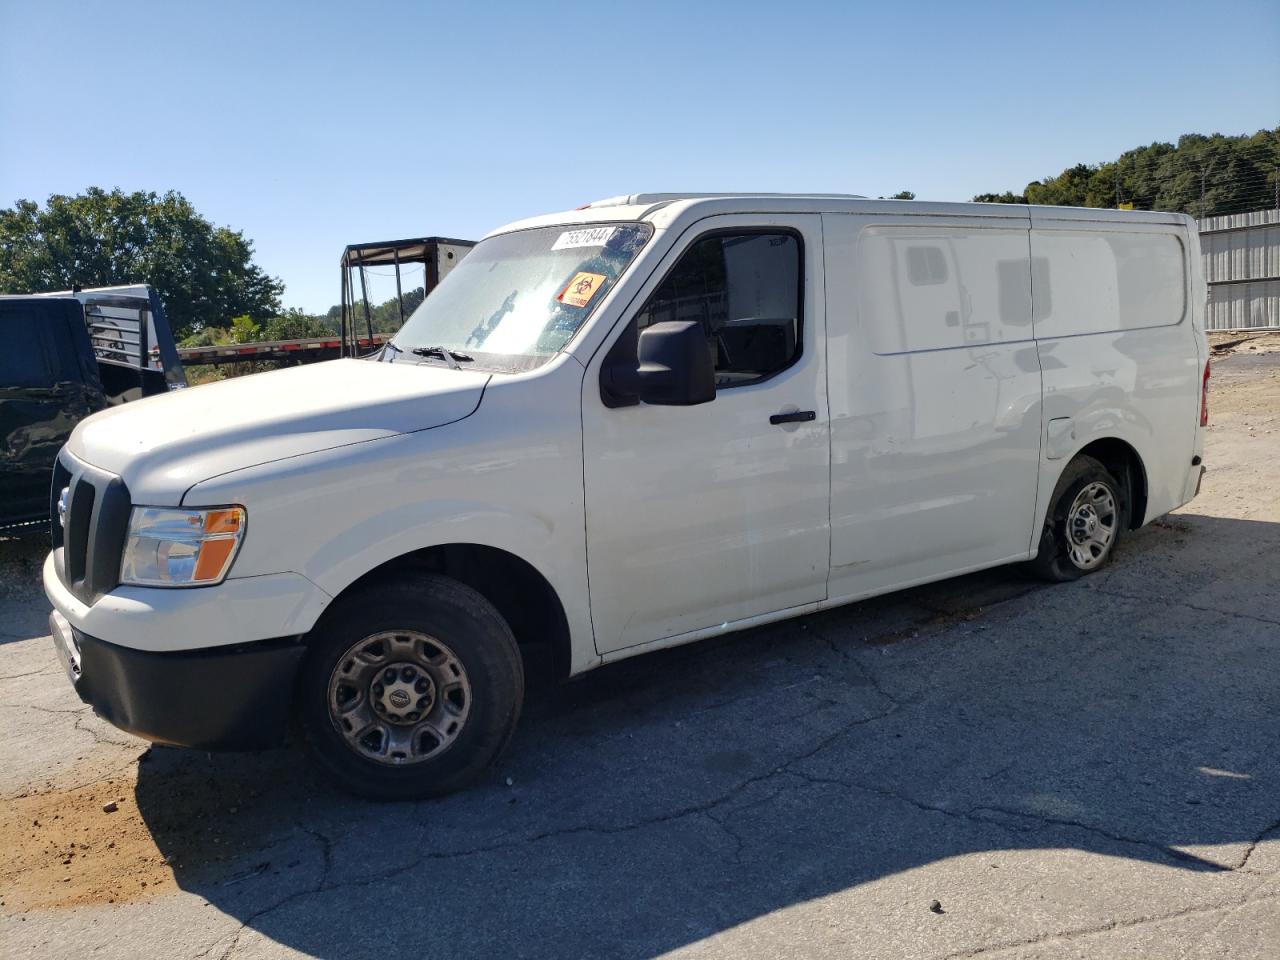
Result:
162,445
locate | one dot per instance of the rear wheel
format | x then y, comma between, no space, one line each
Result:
1086,516
410,688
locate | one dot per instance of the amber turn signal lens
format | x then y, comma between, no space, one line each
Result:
213,558
229,520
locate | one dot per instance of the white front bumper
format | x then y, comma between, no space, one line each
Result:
193,618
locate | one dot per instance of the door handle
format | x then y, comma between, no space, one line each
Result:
798,416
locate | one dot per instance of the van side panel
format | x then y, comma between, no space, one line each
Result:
1118,348
934,390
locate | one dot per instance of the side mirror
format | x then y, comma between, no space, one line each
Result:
674,368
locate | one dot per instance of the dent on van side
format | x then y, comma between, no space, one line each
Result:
617,429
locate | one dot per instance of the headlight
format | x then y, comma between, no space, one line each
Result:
181,548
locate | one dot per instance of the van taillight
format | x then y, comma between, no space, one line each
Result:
1204,397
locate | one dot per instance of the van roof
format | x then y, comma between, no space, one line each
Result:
634,199
666,210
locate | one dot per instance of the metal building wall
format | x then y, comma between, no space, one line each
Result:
1242,268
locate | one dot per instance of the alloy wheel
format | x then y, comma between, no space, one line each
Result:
399,697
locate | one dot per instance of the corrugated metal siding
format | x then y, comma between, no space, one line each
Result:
1242,268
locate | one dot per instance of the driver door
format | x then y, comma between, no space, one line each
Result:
699,518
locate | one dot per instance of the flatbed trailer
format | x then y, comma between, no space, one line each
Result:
438,256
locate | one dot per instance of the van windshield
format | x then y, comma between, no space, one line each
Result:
517,298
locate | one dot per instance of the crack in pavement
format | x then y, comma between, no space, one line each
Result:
326,852
849,657
1253,845
80,713
974,814
208,948
1205,935
988,777
53,668
1183,603
1113,925
1227,912
725,825
32,706
100,738
1173,853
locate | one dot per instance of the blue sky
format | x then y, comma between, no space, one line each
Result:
312,125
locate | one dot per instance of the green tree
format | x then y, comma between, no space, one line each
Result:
204,274
244,330
1007,197
1070,188
386,315
293,324
1200,175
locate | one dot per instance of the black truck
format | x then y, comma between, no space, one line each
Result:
64,356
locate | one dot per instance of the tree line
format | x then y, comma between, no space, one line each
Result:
204,274
1201,175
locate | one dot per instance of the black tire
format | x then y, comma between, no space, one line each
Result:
477,642
1056,561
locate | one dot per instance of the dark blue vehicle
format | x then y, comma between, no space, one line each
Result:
63,357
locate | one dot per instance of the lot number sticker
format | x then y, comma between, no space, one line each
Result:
581,289
590,237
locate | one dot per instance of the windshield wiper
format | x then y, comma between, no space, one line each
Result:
450,357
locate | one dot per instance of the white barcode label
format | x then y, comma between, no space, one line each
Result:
590,237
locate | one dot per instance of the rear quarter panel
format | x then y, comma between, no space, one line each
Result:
1140,384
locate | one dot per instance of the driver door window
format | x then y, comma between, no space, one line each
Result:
744,289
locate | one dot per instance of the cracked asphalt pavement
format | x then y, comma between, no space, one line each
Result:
987,767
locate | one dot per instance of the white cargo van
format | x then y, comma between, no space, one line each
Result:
640,423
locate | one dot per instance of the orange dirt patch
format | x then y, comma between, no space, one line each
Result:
59,849
183,819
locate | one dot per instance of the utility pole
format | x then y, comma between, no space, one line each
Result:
1204,176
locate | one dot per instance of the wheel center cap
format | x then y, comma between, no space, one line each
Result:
402,693
1086,524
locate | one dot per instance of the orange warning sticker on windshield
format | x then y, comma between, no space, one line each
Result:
581,289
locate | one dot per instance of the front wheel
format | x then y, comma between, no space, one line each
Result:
1086,516
410,688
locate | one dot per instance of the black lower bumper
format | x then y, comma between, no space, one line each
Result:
234,698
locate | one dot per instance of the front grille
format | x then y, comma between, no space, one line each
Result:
89,539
